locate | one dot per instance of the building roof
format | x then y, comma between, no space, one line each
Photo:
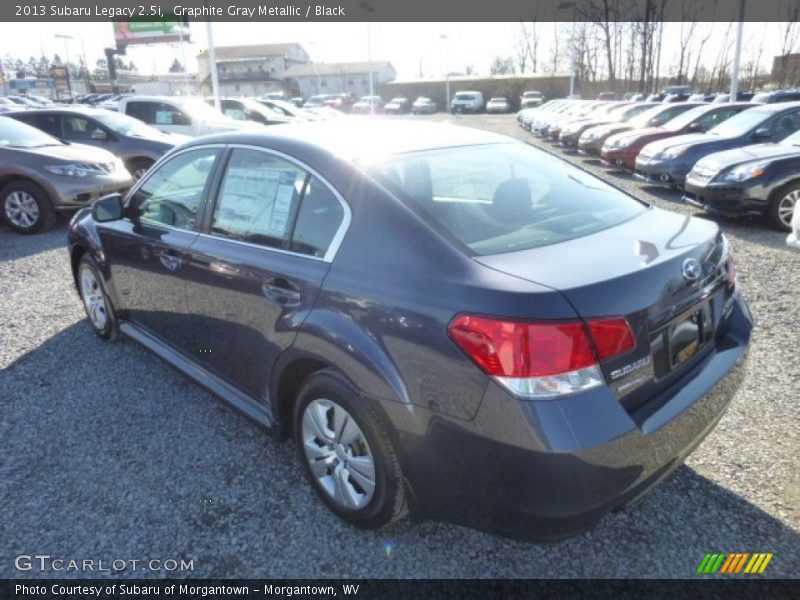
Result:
343,68
251,51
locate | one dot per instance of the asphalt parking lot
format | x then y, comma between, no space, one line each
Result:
108,453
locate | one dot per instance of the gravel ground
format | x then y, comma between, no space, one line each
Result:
108,453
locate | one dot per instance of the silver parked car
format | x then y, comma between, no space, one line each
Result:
40,175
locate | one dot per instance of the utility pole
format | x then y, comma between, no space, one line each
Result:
66,38
446,71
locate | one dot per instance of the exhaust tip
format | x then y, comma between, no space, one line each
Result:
664,177
619,162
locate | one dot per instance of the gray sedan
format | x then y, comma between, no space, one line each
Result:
40,175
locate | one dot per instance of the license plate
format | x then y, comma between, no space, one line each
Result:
685,338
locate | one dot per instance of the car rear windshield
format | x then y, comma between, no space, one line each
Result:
498,198
465,96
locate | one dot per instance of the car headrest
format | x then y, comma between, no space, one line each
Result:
512,201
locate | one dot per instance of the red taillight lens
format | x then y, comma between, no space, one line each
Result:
611,337
520,349
524,349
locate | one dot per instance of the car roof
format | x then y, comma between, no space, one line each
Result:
88,111
776,107
361,138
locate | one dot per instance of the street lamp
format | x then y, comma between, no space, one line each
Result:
446,71
66,38
564,6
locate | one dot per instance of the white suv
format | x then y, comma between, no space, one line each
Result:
467,102
187,116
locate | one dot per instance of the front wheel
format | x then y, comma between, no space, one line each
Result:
26,207
347,454
95,300
782,207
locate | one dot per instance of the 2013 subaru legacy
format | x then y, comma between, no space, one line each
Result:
444,320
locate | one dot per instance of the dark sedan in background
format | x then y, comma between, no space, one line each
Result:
397,106
621,150
763,179
396,299
668,161
41,175
423,106
137,144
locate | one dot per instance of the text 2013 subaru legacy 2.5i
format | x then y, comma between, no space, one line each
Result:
444,320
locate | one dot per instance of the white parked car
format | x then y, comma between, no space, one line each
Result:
793,241
186,116
498,104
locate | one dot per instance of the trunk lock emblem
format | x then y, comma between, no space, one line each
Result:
692,270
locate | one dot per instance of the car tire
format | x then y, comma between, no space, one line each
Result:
26,208
138,167
781,206
98,306
369,495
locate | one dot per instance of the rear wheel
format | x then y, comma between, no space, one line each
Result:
346,453
26,207
782,207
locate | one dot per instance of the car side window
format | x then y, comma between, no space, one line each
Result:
173,193
49,124
784,125
166,114
77,128
258,199
140,110
318,220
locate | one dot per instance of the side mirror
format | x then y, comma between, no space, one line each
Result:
696,127
762,134
99,135
108,208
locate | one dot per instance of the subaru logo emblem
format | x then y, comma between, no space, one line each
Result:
692,270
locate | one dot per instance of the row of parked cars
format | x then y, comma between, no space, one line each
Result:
60,157
731,159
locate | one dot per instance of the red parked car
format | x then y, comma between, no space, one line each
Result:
620,150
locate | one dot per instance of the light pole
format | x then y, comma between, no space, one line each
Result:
737,55
369,61
571,6
446,72
66,38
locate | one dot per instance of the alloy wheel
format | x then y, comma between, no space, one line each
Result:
93,299
338,454
21,209
787,206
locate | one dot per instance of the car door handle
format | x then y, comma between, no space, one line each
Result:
170,260
281,291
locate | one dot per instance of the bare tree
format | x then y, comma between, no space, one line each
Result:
789,38
502,65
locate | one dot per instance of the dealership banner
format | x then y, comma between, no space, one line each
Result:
389,589
391,10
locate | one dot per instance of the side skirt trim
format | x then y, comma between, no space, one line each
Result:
229,394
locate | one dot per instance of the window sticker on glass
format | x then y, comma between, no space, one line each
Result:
164,117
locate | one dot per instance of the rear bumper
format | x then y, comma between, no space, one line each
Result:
729,200
546,470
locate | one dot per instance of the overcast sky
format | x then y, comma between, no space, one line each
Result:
406,45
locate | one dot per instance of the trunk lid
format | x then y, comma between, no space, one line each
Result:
636,270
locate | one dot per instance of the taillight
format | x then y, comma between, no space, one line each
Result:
541,359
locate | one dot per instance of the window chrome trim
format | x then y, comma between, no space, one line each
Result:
344,226
338,237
